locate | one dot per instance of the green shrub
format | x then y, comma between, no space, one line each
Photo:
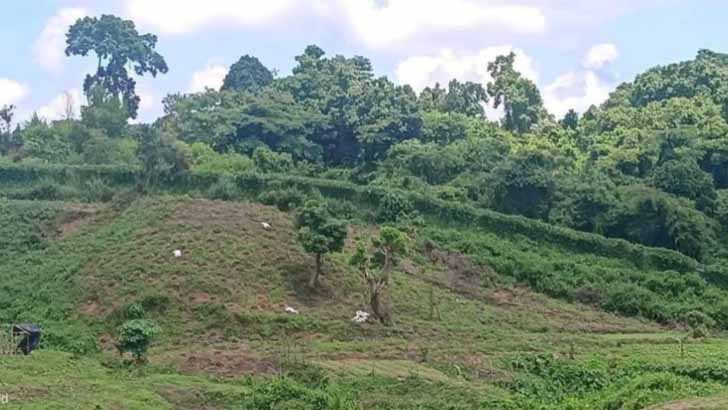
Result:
70,337
285,393
699,323
97,190
135,336
225,189
629,299
393,207
268,161
588,295
343,209
285,199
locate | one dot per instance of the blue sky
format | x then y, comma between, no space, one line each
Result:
577,51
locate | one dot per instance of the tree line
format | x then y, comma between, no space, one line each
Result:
649,165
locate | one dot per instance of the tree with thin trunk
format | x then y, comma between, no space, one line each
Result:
376,267
319,233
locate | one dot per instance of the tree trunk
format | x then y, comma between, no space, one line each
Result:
381,311
313,282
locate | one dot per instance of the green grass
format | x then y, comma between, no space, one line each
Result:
54,380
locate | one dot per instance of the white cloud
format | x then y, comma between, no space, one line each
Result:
573,90
576,91
68,102
423,71
150,104
185,16
398,22
600,55
148,101
11,91
211,76
50,45
375,23
580,90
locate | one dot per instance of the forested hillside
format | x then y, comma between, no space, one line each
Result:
655,151
216,257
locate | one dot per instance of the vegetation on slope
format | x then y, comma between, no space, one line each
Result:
572,264
461,339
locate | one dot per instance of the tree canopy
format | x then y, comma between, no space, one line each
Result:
247,74
655,151
519,96
117,45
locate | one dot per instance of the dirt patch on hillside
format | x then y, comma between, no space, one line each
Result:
224,361
73,219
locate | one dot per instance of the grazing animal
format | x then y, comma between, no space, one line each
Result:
291,310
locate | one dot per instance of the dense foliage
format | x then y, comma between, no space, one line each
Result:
655,151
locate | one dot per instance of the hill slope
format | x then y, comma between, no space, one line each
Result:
465,335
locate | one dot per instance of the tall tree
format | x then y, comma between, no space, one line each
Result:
247,74
519,96
364,115
319,234
117,45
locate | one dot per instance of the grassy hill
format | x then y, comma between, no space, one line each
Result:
468,333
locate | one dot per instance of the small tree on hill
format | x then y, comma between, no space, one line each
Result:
135,336
319,233
376,267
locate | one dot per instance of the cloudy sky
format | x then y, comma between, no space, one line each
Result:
577,51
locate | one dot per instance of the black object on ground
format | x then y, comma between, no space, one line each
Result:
30,337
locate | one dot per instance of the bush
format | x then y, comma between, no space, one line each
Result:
135,336
393,207
268,161
699,323
588,295
225,189
69,337
285,393
630,300
96,190
206,161
343,209
285,199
